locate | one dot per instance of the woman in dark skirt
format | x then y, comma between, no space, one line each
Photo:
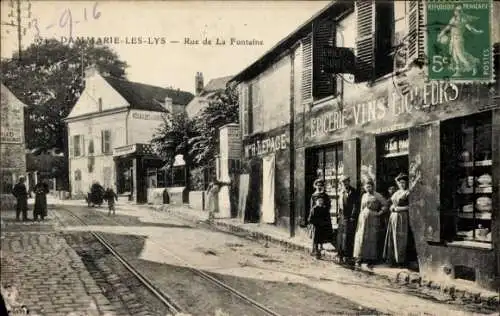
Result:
40,210
319,218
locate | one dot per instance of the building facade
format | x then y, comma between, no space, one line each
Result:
12,145
348,109
111,121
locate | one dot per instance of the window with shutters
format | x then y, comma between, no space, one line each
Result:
307,71
77,143
106,141
247,108
324,38
381,27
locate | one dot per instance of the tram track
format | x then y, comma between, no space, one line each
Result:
170,303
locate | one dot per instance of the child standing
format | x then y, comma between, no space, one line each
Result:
110,196
320,219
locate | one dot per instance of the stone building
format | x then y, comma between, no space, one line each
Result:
109,134
325,102
12,145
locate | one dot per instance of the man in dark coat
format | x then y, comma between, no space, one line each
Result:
347,219
40,209
21,194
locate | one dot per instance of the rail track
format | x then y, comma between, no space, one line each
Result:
167,300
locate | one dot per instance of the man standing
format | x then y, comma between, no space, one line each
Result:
347,220
21,194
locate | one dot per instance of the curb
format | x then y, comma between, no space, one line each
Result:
408,279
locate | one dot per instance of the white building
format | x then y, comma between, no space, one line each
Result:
109,133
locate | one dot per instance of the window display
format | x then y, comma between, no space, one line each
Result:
474,186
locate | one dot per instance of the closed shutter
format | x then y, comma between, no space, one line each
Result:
250,109
307,70
82,145
324,37
425,184
70,146
244,108
365,42
103,142
109,141
416,34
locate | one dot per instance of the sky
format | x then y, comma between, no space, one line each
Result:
157,60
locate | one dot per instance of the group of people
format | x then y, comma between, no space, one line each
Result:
363,223
21,193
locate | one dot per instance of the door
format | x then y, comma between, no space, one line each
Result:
253,202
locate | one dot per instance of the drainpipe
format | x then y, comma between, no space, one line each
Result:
291,198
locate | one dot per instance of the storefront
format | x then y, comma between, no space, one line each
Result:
446,137
267,161
136,169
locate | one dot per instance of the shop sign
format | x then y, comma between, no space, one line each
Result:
417,99
11,135
266,146
124,150
147,116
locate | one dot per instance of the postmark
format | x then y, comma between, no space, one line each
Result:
459,40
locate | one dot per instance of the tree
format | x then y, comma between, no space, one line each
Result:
49,79
223,108
172,137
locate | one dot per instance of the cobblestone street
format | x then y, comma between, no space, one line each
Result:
57,268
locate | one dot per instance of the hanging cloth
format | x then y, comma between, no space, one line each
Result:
268,171
243,194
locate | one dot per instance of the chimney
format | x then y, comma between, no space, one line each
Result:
169,105
198,84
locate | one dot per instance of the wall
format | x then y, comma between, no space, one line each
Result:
12,144
93,127
271,109
142,126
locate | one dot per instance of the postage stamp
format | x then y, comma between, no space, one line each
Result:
459,44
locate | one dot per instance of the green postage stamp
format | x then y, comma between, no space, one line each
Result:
459,45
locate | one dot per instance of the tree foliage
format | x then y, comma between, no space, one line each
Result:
49,79
198,138
222,109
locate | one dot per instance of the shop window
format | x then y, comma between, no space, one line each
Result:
106,141
392,159
467,178
329,167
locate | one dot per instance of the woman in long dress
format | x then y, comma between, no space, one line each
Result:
396,239
457,26
373,204
319,218
40,209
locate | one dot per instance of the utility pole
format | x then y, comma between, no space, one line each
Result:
19,36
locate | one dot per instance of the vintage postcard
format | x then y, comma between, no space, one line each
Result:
249,158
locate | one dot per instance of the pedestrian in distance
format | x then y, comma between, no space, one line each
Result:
373,204
320,222
41,190
21,194
347,220
110,196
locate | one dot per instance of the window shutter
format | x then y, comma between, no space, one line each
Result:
82,145
365,42
70,146
416,34
250,109
307,71
109,140
244,109
103,140
323,82
425,184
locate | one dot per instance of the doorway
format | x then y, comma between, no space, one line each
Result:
392,159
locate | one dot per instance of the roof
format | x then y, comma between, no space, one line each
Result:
142,96
335,8
8,96
216,84
199,102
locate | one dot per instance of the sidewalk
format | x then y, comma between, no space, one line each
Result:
456,289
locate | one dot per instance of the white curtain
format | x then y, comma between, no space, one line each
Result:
243,194
268,165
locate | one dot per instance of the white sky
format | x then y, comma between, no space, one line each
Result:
170,64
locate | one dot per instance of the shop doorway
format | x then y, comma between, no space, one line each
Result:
392,159
253,207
